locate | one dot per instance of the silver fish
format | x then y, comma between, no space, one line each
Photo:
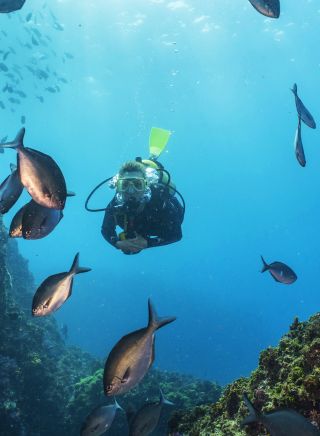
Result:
269,8
99,420
285,422
10,190
281,272
15,230
146,419
10,5
39,221
39,174
131,358
303,112
55,290
298,146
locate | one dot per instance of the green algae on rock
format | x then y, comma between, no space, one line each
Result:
288,376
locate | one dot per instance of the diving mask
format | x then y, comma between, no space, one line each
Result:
127,184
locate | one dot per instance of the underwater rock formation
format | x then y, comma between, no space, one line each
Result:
47,388
288,376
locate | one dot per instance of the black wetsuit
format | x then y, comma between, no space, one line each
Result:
159,222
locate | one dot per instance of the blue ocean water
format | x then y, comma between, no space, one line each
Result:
218,75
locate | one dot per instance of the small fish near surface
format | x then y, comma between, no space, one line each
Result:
144,422
302,111
39,174
131,358
10,190
100,420
7,6
55,290
39,221
269,8
281,272
298,146
282,422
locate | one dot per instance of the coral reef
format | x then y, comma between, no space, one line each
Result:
47,387
287,376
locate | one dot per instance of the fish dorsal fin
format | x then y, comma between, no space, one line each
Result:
75,268
163,399
156,322
253,416
265,265
295,89
117,406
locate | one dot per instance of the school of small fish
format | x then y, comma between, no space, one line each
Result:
38,173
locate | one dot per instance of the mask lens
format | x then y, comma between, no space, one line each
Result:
124,184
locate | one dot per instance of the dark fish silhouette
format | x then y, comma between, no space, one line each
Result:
23,119
303,112
131,358
55,290
144,422
283,422
298,146
3,66
10,5
281,272
39,221
10,190
39,174
100,420
15,230
269,8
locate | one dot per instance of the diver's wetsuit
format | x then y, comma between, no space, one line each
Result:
159,222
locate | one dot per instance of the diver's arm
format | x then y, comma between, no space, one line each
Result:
108,228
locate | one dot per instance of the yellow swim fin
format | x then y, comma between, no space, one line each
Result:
157,141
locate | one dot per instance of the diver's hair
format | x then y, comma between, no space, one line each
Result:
132,165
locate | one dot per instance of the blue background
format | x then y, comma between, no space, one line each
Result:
217,74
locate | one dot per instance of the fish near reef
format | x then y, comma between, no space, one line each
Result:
302,111
131,358
282,422
39,174
146,419
15,230
269,8
10,190
281,272
100,420
55,290
298,146
38,221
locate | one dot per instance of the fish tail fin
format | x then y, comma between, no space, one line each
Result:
75,268
265,265
294,89
156,322
163,399
17,142
13,167
117,404
253,416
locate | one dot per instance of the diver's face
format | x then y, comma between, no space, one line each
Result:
132,185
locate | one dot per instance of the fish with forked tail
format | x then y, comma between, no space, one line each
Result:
302,111
131,358
100,420
281,272
282,422
10,190
39,174
298,146
55,290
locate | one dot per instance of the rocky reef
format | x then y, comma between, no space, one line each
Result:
288,376
47,387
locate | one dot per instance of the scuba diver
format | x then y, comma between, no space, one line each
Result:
145,206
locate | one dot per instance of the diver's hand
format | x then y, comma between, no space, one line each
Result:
133,245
